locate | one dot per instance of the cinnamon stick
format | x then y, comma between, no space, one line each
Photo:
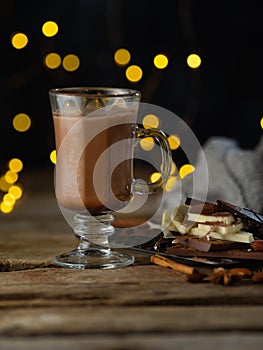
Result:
165,262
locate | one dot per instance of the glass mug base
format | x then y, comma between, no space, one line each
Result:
93,251
93,259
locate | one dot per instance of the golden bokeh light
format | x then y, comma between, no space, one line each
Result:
122,57
185,170
53,156
6,208
15,191
11,191
52,60
19,40
11,177
160,61
173,168
21,122
261,122
193,61
150,121
147,144
155,177
174,142
4,185
15,165
71,62
50,28
9,199
171,183
134,73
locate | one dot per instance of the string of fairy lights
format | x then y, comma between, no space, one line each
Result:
12,189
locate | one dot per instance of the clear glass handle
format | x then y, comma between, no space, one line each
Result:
141,187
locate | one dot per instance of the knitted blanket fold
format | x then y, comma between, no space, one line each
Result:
235,174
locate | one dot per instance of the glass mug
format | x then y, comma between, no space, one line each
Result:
95,129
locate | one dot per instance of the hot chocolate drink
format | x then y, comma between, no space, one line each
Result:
95,129
94,169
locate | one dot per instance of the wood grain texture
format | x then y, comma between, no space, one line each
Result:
150,341
135,285
122,320
143,306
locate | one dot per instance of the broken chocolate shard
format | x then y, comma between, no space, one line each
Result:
205,209
205,245
202,245
222,254
257,244
200,207
252,221
193,201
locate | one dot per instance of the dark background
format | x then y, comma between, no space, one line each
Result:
223,97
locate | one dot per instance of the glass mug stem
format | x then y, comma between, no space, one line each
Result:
93,250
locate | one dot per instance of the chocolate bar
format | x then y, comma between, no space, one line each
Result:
200,207
222,254
252,221
205,245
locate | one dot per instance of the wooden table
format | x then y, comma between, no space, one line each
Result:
143,306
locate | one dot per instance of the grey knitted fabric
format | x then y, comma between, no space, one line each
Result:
235,174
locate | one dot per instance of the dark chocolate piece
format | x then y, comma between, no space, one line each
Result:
205,209
205,245
194,201
222,254
162,244
252,221
200,207
257,244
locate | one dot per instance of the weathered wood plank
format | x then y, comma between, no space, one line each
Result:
151,341
134,285
33,241
122,320
137,307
